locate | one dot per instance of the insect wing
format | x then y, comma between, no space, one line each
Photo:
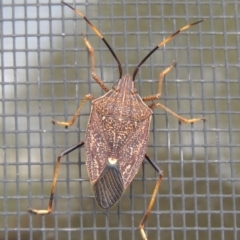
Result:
96,147
132,154
110,180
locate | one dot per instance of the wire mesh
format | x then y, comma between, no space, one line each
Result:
45,73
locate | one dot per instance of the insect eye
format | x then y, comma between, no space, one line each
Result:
116,88
134,91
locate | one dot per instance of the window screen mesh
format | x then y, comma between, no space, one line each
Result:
45,73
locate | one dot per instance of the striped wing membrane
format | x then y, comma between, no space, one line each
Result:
109,187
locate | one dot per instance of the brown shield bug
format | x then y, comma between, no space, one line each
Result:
117,133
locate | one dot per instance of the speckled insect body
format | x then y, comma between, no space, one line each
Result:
116,141
117,133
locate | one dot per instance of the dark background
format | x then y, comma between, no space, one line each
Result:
45,73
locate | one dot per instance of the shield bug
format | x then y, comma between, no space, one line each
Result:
117,133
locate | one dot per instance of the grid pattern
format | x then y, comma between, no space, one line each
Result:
45,73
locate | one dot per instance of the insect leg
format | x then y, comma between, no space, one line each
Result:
184,120
94,75
50,207
161,78
155,191
71,122
98,34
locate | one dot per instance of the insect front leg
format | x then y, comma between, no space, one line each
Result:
94,75
71,122
55,176
161,79
157,96
155,191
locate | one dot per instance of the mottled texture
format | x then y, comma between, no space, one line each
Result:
116,139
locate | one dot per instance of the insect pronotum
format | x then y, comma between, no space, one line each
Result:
117,133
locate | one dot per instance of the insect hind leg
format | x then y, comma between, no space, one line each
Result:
155,191
54,182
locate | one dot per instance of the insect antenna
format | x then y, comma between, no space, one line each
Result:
99,35
162,43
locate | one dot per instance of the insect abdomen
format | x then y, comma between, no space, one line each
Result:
109,187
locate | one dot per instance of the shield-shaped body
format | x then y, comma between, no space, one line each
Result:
116,141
